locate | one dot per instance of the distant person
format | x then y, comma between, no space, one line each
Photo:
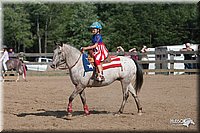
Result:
134,54
4,58
11,53
144,57
120,51
187,56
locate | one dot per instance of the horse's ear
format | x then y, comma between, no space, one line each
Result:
55,43
61,43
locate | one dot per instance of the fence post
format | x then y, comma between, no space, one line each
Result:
172,63
161,55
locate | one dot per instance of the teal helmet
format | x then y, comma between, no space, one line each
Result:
96,25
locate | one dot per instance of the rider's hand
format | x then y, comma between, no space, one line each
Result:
82,49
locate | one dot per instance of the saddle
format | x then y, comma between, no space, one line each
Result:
109,62
91,60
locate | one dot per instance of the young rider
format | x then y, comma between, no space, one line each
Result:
100,52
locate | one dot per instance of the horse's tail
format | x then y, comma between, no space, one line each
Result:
139,77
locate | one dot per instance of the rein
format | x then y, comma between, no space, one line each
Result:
76,61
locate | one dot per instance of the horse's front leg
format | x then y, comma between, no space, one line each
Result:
83,99
17,78
77,90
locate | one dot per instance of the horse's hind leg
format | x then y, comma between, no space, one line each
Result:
134,94
125,96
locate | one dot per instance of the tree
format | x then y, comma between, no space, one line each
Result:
39,17
198,22
78,29
17,27
59,22
35,26
122,28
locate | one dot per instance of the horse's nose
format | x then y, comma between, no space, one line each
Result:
52,66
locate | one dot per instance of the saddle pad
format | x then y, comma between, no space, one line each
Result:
115,62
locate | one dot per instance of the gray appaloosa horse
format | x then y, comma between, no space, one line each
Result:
72,58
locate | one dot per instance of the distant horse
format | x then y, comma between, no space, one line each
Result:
18,66
72,58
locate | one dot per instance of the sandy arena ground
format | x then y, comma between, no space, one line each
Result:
40,105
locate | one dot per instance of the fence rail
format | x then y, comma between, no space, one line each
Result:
170,61
111,53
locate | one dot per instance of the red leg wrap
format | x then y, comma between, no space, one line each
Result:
69,108
86,110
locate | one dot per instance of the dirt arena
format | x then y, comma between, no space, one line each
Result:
40,105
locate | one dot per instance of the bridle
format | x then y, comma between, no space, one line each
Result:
62,62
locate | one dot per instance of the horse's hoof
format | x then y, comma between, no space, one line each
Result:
140,112
86,114
117,114
69,116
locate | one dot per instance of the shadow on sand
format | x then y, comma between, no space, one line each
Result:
59,113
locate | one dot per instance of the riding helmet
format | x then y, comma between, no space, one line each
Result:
5,47
96,25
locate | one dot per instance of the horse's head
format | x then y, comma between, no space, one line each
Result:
58,58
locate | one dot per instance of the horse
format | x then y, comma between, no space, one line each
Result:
18,66
71,57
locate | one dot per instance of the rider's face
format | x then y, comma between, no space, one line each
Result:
94,31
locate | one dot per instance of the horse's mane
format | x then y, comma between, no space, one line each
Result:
72,48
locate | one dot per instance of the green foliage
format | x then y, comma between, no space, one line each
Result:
17,26
126,24
78,28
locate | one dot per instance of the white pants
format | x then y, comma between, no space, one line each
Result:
5,66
